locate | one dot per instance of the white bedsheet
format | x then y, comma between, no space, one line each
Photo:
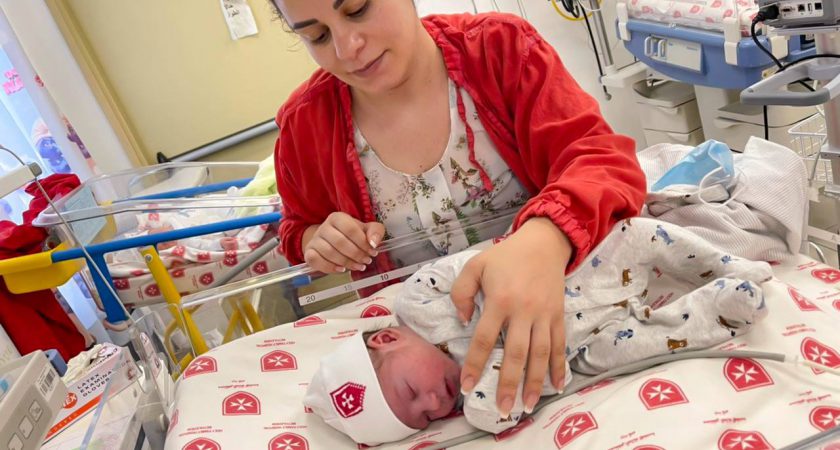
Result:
703,14
247,394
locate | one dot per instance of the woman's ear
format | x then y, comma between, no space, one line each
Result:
383,338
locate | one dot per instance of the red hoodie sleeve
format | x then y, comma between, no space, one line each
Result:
293,192
588,176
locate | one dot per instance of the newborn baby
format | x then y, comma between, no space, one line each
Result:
648,289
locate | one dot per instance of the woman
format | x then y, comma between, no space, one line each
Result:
411,122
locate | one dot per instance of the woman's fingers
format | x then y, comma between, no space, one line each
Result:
483,341
342,242
374,232
355,257
538,359
466,287
557,361
321,256
517,344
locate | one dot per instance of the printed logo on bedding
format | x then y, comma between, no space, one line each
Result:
573,426
179,251
349,399
827,275
260,267
658,393
230,258
510,432
836,305
206,279
375,311
121,284
178,273
240,404
816,351
203,256
596,386
202,444
648,447
745,374
825,417
743,440
278,361
309,321
200,366
288,441
801,301
152,290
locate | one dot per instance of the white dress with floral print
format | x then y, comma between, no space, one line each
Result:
452,189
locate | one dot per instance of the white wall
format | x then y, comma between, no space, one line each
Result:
572,43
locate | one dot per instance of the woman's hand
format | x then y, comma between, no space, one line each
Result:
523,280
341,243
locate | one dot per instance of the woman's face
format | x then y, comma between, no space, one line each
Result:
368,44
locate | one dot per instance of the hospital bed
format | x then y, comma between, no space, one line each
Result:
704,43
247,393
707,44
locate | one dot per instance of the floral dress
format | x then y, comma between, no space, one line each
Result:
451,190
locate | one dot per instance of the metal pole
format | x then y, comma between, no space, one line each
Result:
601,30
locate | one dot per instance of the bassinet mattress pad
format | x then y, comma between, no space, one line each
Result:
247,394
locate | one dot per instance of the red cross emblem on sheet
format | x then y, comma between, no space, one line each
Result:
510,432
349,399
825,417
828,275
288,441
260,267
816,351
745,374
309,321
231,259
658,393
277,361
801,301
202,444
240,404
572,427
743,440
375,311
200,366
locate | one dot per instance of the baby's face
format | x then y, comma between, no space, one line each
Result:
420,382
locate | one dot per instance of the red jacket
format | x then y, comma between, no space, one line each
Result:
549,131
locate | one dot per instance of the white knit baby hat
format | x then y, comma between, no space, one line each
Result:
346,394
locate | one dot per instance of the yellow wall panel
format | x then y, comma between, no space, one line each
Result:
179,79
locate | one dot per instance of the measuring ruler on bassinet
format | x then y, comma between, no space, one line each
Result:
363,283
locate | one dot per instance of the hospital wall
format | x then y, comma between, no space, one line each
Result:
173,80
